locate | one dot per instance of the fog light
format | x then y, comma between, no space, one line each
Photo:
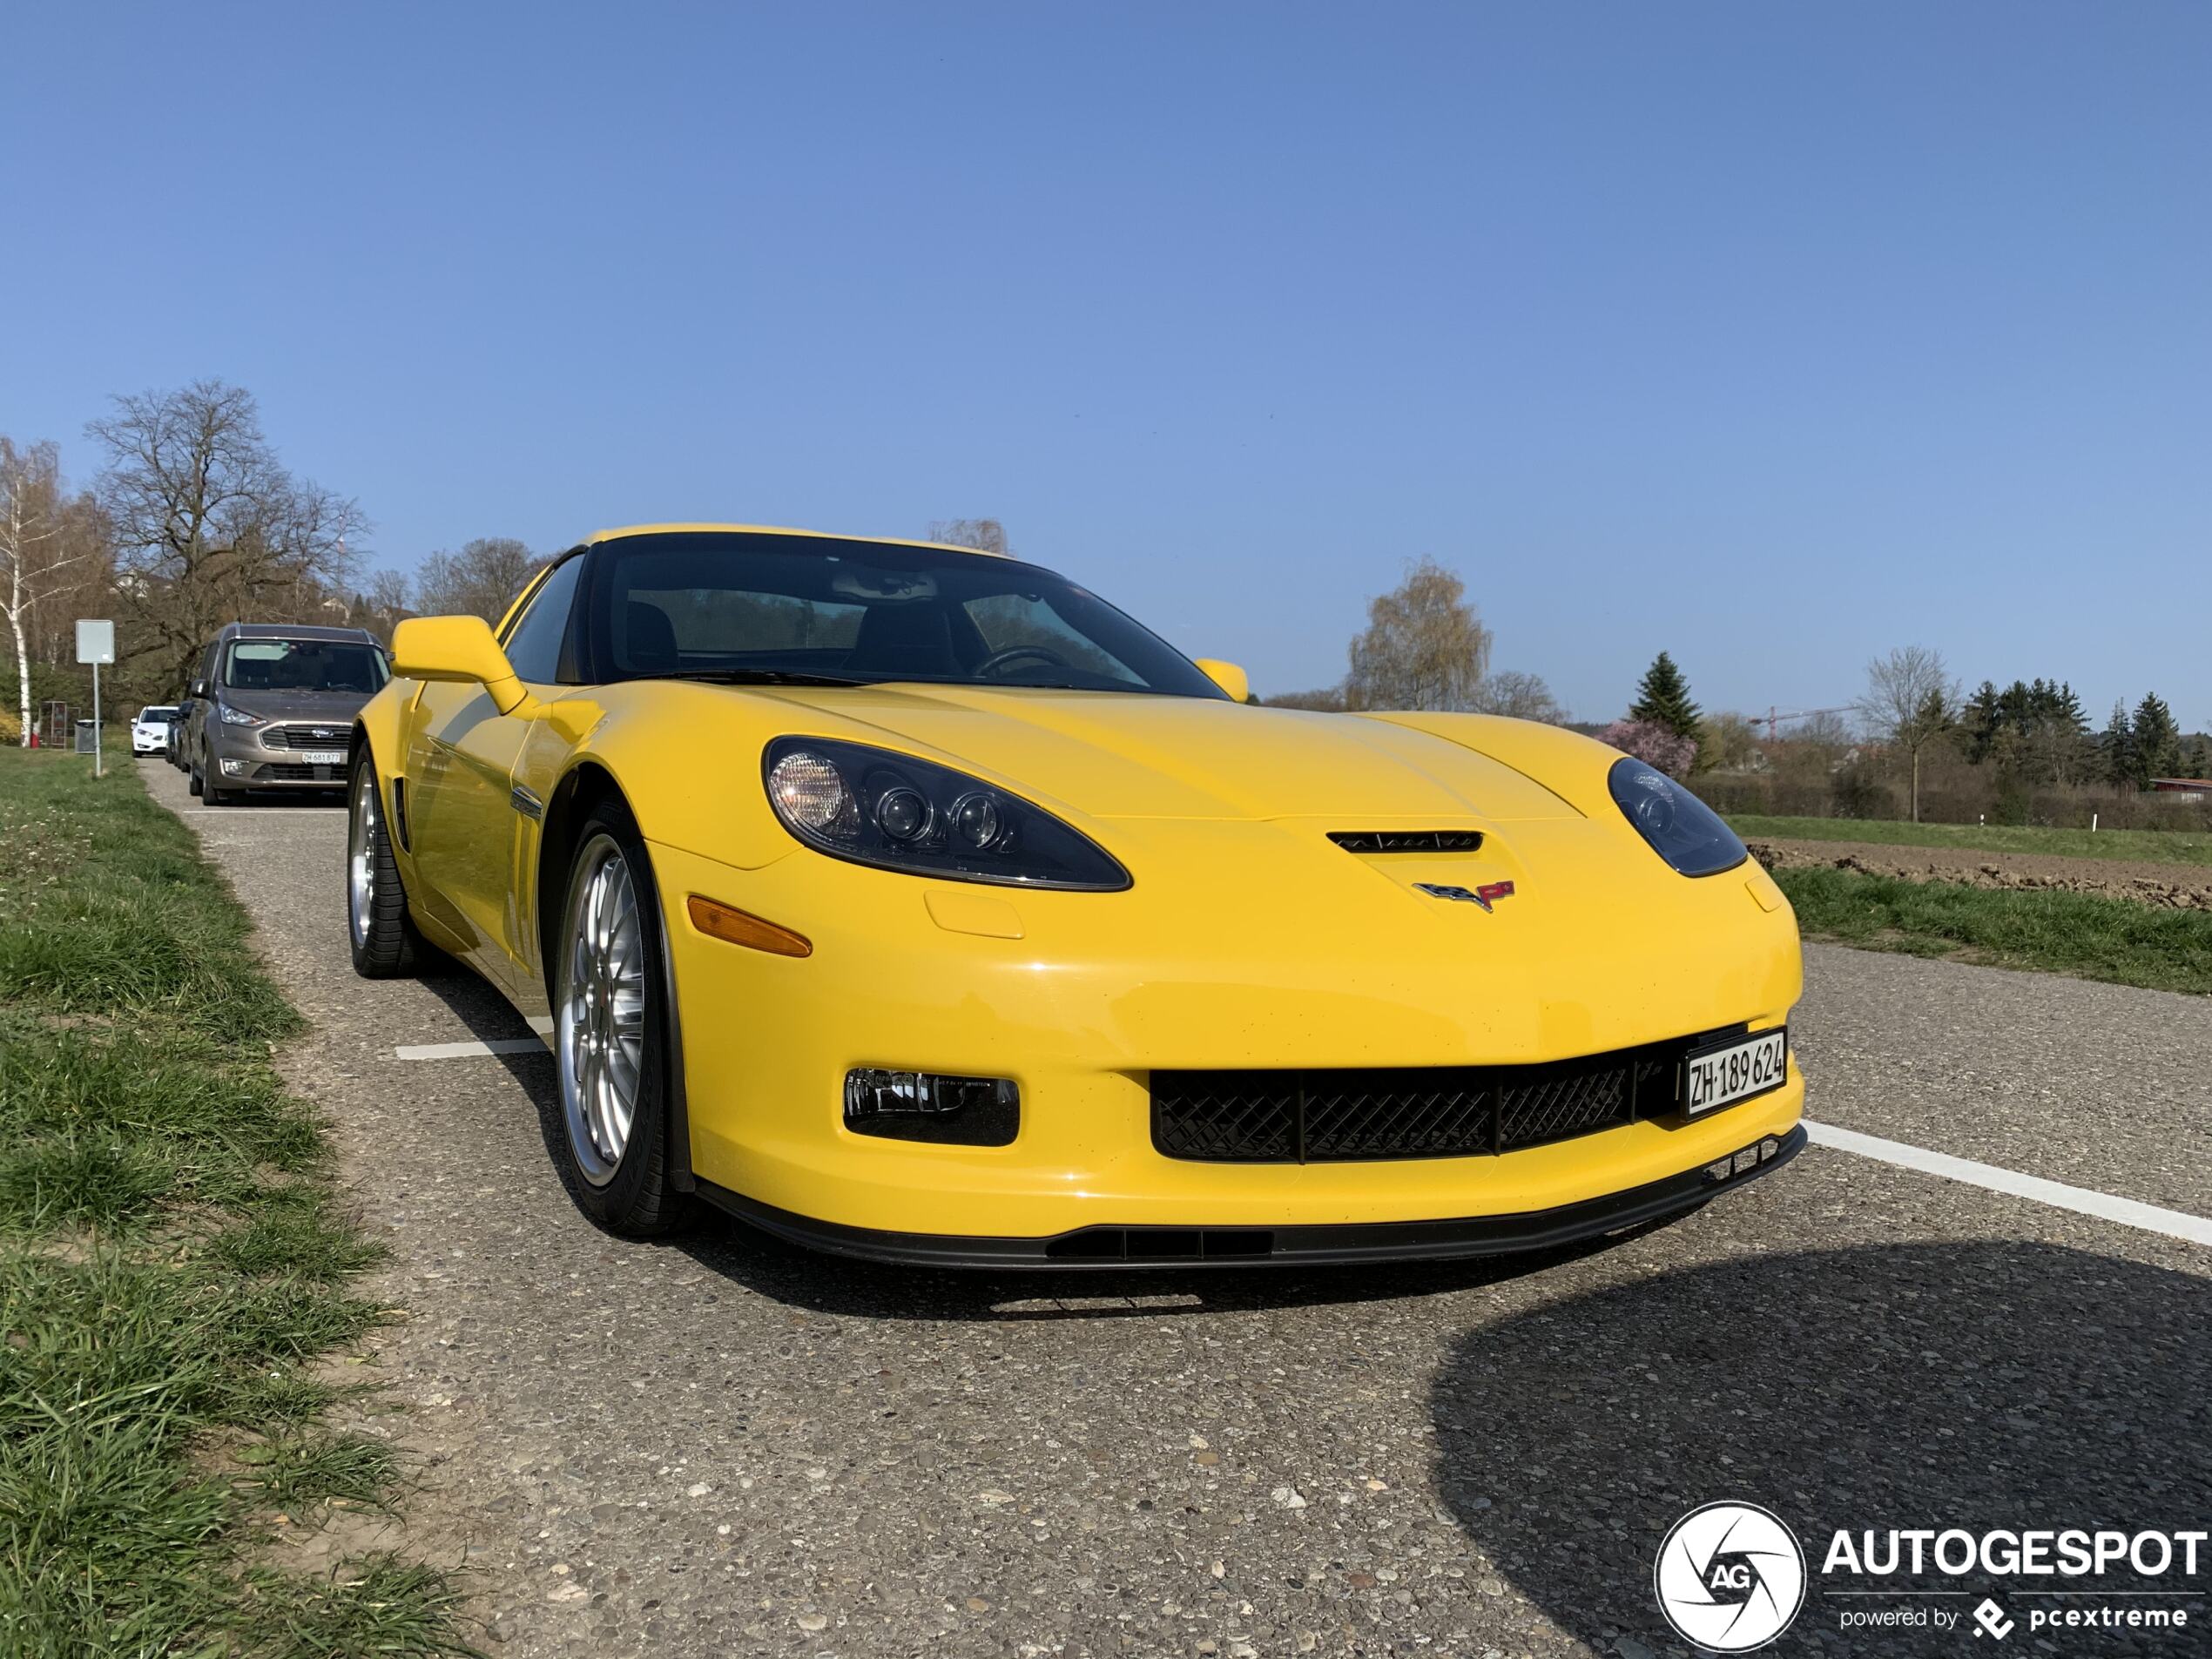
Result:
932,1106
233,768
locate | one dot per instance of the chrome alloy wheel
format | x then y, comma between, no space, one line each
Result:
361,856
602,1009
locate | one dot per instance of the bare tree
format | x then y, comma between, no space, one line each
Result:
985,533
38,552
1519,697
1910,701
481,580
385,604
208,527
1425,648
1727,742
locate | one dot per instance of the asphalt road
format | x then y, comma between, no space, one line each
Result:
728,1447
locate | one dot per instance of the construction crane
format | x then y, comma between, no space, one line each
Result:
1774,716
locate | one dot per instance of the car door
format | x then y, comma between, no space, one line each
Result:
466,823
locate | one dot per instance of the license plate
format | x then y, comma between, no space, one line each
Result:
1736,1070
326,757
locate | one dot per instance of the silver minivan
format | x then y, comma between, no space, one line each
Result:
273,707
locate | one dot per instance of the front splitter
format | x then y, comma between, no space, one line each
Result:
1107,1246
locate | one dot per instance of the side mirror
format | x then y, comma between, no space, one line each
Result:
1231,678
456,650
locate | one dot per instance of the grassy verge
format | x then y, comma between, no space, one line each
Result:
2151,847
2060,933
172,1264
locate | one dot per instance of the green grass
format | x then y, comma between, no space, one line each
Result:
2115,940
2153,847
171,1261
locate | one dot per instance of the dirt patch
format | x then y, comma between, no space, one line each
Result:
2165,887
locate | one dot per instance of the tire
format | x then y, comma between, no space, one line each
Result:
385,943
603,993
194,783
210,792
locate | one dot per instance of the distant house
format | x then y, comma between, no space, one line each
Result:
2200,788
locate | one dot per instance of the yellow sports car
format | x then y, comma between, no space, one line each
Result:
912,902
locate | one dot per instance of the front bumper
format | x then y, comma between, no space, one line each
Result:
1088,995
1329,1245
262,768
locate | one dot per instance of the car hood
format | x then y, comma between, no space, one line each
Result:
336,706
1118,755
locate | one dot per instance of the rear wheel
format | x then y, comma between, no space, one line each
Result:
610,1034
382,934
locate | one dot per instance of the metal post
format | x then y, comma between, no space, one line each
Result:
99,755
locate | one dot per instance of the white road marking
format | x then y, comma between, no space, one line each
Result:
467,1050
2173,1223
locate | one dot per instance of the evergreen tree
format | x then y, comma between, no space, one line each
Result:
2070,712
2158,741
2117,747
1663,698
1979,721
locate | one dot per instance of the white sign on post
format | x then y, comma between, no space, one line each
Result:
96,644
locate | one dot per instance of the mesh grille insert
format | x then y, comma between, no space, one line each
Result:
1325,1116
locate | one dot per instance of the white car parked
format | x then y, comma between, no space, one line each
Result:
150,731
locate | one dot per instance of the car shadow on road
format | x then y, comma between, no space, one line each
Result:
1976,1385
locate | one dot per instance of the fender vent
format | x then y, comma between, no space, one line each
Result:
1439,840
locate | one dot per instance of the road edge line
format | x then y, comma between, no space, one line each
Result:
2173,1223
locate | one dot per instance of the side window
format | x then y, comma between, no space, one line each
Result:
534,645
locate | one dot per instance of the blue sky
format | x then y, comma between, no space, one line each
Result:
1772,335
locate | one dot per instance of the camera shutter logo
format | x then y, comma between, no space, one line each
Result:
1729,1577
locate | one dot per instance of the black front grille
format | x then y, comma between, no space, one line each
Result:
1332,1116
1446,840
281,771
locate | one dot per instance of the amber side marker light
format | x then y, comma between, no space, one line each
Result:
722,922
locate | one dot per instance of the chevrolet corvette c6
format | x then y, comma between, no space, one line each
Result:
912,902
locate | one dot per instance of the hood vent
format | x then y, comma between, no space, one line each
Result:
1439,840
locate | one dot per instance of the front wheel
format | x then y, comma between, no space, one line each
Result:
385,944
210,792
610,1034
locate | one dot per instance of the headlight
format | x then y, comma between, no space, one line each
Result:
897,812
1681,829
239,717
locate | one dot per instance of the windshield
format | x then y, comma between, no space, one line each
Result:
744,606
159,711
303,665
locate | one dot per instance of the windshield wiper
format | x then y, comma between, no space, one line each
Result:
751,677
